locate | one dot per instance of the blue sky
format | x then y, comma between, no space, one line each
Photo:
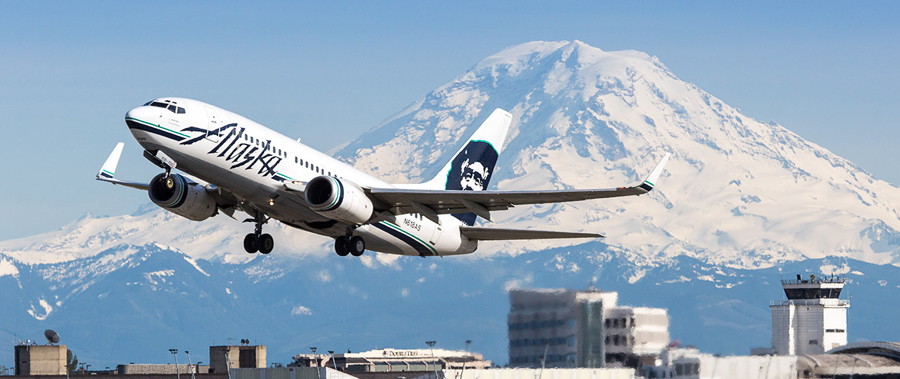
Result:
327,72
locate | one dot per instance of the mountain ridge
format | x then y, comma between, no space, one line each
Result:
608,116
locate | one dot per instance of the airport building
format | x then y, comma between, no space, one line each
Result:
582,329
32,359
393,360
492,373
813,319
224,358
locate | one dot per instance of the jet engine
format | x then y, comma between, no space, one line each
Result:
177,195
338,199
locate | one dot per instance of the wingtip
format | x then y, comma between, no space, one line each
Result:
651,179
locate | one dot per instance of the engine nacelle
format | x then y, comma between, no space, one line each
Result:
339,200
177,195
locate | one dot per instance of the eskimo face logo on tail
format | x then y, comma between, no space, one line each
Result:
471,170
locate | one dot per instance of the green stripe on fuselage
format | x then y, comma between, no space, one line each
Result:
158,127
399,229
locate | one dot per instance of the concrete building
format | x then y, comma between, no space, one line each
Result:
394,360
696,365
40,360
635,336
159,369
550,373
223,358
813,319
494,373
570,329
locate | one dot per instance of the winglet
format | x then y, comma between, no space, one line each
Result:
654,175
108,171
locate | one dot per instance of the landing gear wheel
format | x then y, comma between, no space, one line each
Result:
250,243
340,246
265,243
356,246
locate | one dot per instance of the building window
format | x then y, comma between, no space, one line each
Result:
813,342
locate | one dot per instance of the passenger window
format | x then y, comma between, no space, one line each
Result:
295,159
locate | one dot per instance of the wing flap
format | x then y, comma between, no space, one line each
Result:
401,200
498,234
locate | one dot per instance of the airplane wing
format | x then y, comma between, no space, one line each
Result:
498,234
430,203
108,170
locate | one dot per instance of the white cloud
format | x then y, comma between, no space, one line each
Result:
404,292
324,276
301,311
517,283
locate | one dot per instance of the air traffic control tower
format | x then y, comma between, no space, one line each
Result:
813,319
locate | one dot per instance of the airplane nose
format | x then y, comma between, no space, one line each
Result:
146,114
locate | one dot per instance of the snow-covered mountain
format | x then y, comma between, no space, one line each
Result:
741,203
737,191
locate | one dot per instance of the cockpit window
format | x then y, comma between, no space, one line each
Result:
171,107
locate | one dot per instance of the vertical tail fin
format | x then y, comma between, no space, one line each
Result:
473,165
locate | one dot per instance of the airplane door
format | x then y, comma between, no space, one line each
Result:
214,123
435,235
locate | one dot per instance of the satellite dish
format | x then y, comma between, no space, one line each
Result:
52,337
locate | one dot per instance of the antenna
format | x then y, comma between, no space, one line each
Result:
51,336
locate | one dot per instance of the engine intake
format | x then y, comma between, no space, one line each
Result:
175,194
338,199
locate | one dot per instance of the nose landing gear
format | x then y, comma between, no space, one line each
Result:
257,241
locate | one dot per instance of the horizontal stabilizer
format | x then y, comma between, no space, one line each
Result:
498,234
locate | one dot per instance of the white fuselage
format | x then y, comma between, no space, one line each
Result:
252,162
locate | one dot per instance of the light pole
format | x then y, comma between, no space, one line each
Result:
466,358
190,365
433,360
333,363
175,354
227,352
316,359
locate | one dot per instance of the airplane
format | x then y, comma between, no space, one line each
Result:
231,163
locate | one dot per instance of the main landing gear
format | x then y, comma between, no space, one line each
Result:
257,241
349,245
